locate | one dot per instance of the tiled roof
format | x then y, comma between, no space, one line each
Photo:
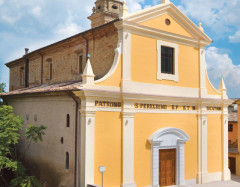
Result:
68,86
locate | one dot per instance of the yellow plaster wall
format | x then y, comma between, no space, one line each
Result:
174,27
210,89
145,125
108,134
144,63
214,143
115,78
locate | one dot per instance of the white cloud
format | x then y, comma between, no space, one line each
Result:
134,5
36,11
68,28
235,38
1,2
221,16
220,64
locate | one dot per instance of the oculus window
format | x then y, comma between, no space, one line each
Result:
167,61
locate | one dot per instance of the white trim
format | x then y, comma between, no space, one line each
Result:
137,29
157,89
87,136
211,83
168,138
165,76
126,66
118,52
212,177
191,182
225,170
128,146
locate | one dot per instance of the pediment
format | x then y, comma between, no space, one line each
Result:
154,17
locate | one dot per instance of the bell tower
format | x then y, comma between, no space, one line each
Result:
105,11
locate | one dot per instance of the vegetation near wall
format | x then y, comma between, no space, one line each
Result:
12,171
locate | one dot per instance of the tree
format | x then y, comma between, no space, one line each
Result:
10,125
2,87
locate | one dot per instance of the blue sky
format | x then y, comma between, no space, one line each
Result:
36,23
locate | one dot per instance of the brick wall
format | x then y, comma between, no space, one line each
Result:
64,58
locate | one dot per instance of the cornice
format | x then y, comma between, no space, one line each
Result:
135,28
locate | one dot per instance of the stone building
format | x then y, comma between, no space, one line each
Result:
131,94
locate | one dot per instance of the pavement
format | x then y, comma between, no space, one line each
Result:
234,182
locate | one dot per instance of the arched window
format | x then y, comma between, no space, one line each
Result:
68,120
67,161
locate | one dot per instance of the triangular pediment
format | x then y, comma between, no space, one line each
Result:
155,17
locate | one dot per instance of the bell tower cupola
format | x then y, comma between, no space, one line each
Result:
105,11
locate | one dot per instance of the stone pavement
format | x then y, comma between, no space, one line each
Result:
232,183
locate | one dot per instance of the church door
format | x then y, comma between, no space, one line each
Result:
167,162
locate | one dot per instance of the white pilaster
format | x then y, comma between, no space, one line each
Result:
203,90
226,175
202,145
128,146
126,71
87,142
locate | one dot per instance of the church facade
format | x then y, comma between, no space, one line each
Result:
130,96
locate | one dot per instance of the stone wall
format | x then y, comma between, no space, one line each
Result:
47,159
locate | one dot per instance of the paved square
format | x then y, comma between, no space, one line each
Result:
232,183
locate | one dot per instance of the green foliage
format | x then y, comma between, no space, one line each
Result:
10,125
35,133
2,87
27,181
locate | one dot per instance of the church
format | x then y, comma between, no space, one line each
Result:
129,99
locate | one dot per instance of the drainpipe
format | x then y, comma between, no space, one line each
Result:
77,101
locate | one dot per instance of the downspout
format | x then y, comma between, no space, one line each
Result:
77,101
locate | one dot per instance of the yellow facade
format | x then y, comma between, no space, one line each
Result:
159,23
144,63
214,144
145,125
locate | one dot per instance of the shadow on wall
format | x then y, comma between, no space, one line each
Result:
48,175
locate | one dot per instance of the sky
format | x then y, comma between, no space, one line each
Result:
36,23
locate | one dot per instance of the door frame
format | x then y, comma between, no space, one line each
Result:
168,138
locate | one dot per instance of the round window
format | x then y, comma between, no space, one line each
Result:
167,21
115,7
99,7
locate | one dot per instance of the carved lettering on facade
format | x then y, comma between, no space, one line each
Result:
163,107
214,108
108,104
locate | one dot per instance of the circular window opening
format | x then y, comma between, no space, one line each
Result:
115,7
99,7
167,21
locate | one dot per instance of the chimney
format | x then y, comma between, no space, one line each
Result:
26,51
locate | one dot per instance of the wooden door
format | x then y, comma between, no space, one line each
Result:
232,165
167,162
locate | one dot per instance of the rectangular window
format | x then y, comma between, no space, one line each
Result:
230,127
80,64
167,60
